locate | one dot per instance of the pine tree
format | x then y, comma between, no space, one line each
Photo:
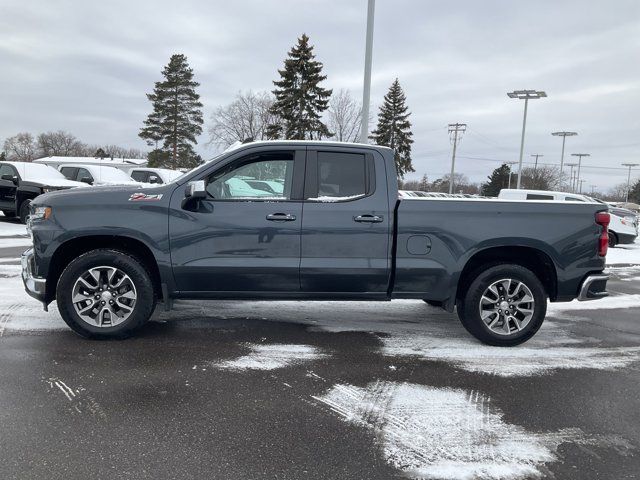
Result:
3,157
498,180
424,183
100,153
394,127
634,192
300,100
176,119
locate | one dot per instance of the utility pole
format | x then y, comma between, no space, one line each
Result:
564,136
366,90
454,129
511,164
525,95
580,187
579,155
535,167
571,177
630,165
593,189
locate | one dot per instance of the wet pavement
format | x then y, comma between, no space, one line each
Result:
327,390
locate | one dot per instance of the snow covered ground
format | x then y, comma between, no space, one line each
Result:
625,254
444,433
11,228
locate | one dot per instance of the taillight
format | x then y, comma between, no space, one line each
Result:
603,219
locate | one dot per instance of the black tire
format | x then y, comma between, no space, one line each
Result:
469,304
24,210
142,310
9,213
613,239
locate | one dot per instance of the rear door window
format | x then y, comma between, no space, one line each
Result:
341,175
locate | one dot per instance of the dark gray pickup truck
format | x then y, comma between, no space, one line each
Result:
309,221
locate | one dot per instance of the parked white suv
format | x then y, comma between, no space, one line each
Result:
96,174
154,175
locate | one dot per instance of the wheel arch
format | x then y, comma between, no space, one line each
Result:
75,247
531,258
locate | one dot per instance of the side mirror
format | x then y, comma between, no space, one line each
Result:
86,180
196,189
10,178
154,179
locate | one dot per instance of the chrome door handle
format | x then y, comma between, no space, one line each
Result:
368,219
281,217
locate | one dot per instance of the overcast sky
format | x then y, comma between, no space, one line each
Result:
85,66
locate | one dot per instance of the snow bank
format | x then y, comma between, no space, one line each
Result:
441,433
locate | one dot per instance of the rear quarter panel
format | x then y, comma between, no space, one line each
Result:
458,229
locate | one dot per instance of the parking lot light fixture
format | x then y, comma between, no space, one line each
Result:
525,95
564,136
579,155
630,165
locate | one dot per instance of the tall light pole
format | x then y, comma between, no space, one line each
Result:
630,165
366,90
454,129
579,155
571,178
535,167
525,95
564,136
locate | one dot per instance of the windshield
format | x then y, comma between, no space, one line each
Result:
32,171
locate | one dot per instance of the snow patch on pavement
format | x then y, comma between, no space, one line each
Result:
624,254
441,433
271,357
15,242
12,229
18,311
411,329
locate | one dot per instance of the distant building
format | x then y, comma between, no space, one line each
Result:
124,164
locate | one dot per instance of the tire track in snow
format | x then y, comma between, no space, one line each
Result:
442,433
79,401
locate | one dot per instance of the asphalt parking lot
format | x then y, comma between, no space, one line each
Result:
331,390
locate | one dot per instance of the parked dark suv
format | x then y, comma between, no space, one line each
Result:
21,182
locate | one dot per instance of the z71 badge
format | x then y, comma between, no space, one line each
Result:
143,197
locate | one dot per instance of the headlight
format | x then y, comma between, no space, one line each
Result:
41,213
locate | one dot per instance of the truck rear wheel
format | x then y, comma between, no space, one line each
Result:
105,294
504,305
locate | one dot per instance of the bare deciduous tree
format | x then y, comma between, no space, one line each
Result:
540,178
344,117
247,117
60,143
20,147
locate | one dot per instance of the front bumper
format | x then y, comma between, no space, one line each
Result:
594,287
36,287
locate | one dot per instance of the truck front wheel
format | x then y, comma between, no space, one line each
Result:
504,305
105,294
